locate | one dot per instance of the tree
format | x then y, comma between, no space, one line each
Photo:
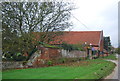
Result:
107,44
34,16
21,19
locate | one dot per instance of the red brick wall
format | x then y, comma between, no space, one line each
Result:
47,54
54,53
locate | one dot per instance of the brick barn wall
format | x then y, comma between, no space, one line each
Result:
46,55
43,55
54,53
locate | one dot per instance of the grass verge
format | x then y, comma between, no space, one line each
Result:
89,69
110,57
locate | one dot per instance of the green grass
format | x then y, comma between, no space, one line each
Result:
111,57
51,46
90,69
48,45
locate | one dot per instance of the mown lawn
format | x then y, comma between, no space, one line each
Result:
89,69
111,57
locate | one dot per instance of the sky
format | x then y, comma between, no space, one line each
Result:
96,15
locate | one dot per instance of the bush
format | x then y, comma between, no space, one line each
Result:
19,57
62,60
71,47
117,50
8,56
74,59
49,63
24,62
83,58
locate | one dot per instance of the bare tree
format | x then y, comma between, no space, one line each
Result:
24,18
34,16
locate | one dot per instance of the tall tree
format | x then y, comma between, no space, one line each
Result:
24,18
107,43
34,16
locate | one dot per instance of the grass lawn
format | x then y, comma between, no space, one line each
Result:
89,69
111,57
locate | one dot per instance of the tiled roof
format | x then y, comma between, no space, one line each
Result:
78,37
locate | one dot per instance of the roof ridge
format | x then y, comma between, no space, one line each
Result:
80,31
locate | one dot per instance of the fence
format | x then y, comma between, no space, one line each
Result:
73,54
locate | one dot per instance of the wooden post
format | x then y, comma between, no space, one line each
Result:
90,54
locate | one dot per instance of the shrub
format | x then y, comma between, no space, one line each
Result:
19,57
74,59
82,58
71,47
8,56
24,62
62,60
49,63
117,50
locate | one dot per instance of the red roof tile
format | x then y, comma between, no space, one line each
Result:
79,37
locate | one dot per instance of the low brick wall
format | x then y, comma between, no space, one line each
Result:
43,56
54,54
12,65
47,54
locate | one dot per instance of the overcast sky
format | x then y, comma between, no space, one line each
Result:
97,15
